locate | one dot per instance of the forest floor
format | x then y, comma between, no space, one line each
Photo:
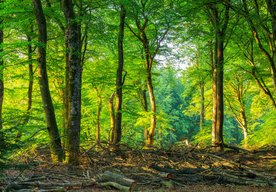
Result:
181,168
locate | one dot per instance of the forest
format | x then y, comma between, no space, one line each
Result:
137,95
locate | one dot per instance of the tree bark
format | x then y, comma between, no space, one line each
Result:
2,139
214,92
149,133
218,133
55,142
116,138
31,75
74,74
112,121
142,95
202,105
220,26
98,122
116,180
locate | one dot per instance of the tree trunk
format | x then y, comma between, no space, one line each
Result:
214,91
245,138
74,67
119,81
149,133
149,55
142,95
65,98
55,143
218,132
219,26
240,112
31,75
112,121
202,106
98,122
2,139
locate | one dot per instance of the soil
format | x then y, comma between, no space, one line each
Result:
182,168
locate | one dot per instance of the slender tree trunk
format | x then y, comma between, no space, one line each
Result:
31,75
59,21
55,145
244,126
65,98
98,121
245,137
202,105
149,56
218,132
2,139
149,133
214,91
112,121
119,81
240,111
73,49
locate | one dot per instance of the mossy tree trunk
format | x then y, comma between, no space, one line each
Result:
2,139
73,82
55,142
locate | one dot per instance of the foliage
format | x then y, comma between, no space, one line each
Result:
182,65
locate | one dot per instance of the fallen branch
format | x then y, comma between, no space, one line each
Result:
173,171
237,148
40,185
250,172
116,180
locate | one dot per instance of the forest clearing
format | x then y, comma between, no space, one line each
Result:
137,95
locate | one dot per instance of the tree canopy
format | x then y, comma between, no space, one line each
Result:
142,73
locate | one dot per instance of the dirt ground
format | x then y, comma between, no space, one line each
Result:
178,169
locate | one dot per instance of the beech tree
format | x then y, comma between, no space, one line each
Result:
219,24
116,129
150,34
73,81
258,26
157,104
2,140
52,128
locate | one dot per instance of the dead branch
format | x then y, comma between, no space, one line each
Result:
116,180
173,171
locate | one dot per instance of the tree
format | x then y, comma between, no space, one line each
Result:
150,34
116,133
44,85
31,72
2,140
73,81
236,100
219,24
258,26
